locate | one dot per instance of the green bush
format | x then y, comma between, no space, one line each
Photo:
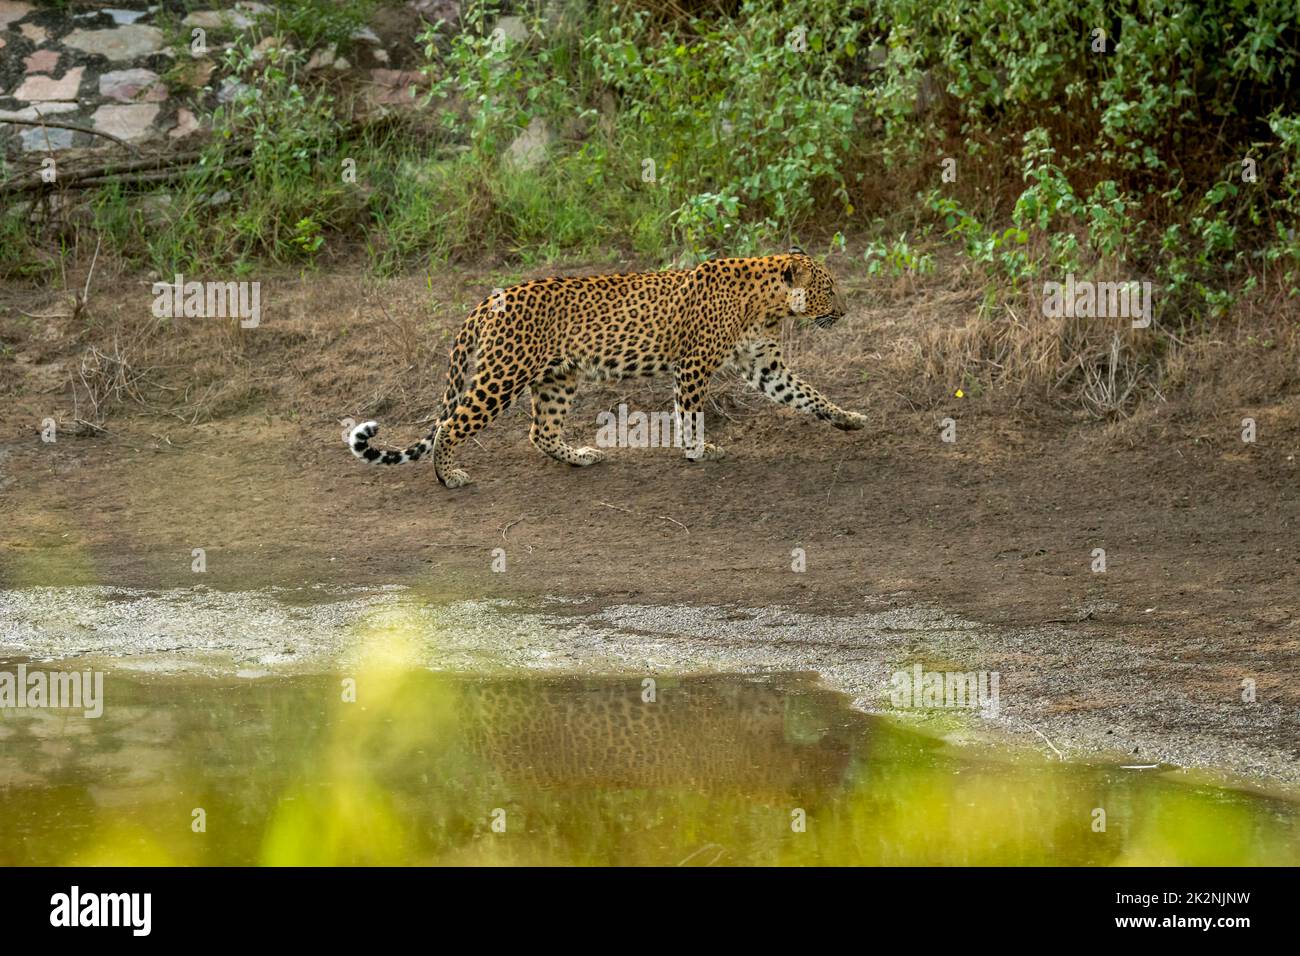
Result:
1126,126
737,127
1132,155
750,120
270,183
728,130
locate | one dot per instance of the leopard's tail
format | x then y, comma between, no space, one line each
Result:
462,354
359,442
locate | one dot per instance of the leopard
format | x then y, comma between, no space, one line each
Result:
706,734
547,335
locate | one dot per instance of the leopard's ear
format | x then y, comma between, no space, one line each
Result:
797,251
788,275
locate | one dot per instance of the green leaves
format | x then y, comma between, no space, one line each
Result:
747,126
757,123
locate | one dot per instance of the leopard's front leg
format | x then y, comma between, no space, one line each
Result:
691,378
768,374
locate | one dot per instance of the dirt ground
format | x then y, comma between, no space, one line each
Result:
235,446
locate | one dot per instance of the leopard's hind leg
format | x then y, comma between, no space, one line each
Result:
490,393
553,393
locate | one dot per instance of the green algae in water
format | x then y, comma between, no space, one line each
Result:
424,768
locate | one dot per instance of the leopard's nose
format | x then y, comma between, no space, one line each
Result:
840,303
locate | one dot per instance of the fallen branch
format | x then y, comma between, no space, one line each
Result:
1049,743
79,301
148,170
676,522
638,514
56,124
147,176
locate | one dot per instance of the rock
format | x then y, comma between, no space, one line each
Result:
123,17
431,11
119,43
11,12
264,46
156,208
34,33
40,87
194,73
395,87
554,13
132,86
37,110
35,139
928,92
365,33
513,28
528,151
574,128
218,20
42,61
132,123
186,124
341,64
323,58
232,90
608,112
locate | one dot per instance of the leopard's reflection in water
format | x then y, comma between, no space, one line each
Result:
752,737
394,764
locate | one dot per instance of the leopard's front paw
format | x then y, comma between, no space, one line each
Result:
587,455
851,422
705,452
456,478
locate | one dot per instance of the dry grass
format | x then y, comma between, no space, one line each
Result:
336,346
106,378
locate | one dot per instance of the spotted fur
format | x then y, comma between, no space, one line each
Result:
547,334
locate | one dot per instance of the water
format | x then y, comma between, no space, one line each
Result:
426,768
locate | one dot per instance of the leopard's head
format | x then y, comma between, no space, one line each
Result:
811,290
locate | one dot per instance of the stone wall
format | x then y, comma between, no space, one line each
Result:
130,70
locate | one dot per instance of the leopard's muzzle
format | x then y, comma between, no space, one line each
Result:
837,311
